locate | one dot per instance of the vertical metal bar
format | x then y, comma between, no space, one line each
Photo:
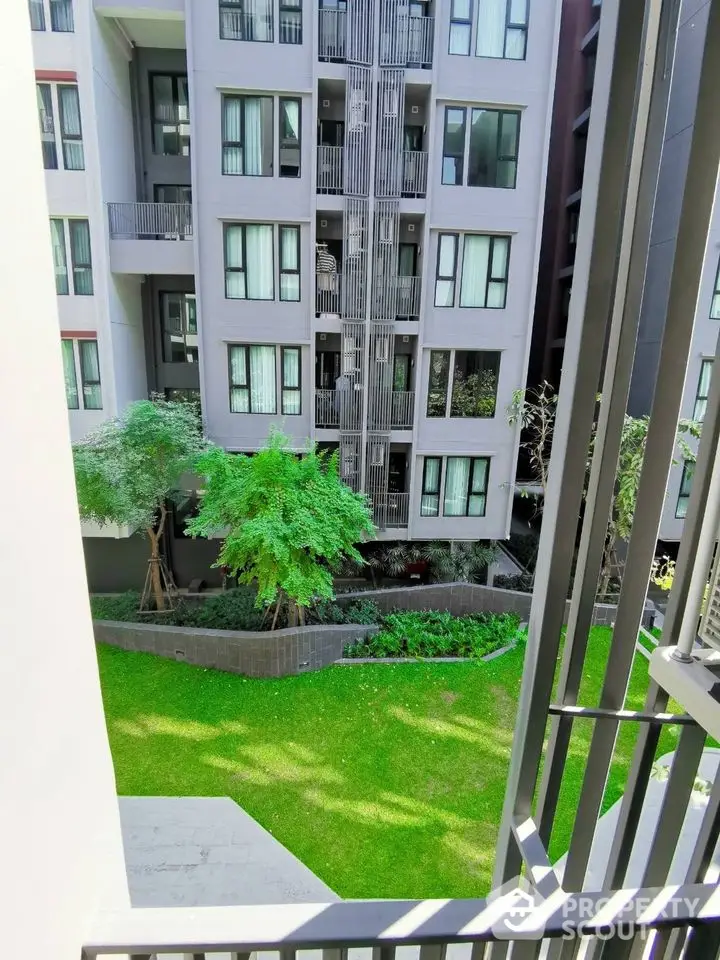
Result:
603,189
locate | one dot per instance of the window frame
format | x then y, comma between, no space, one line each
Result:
295,227
451,389
69,137
715,301
489,277
468,491
296,389
248,382
80,380
431,493
76,405
174,78
509,25
71,18
78,264
463,154
287,6
38,6
243,225
242,97
499,156
85,380
462,21
163,298
699,397
238,6
683,496
39,87
63,234
298,101
449,354
450,278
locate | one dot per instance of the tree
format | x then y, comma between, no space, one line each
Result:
127,470
536,409
288,521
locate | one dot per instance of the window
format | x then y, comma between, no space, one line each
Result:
247,136
290,21
179,327
290,263
438,383
289,137
715,306
460,27
82,355
47,125
475,381
247,20
37,14
76,234
291,392
252,379
466,481
61,15
249,261
685,485
703,389
446,270
80,255
502,29
484,271
453,145
171,115
494,136
432,476
70,128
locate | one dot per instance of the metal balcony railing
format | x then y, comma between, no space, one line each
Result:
327,409
390,509
328,292
332,35
329,169
150,221
239,25
403,407
408,297
414,173
420,32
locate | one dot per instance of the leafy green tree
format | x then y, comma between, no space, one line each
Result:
127,469
288,521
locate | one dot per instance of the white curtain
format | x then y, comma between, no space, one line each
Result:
291,381
253,137
259,266
90,368
460,32
516,39
71,130
262,19
61,16
239,392
232,154
447,258
476,249
81,259
703,390
234,278
291,111
497,288
57,233
456,486
262,380
491,28
430,501
289,282
71,390
478,489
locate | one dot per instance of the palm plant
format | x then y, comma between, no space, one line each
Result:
463,561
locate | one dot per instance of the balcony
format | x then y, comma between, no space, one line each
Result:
139,235
390,509
328,405
408,297
329,169
332,35
403,407
327,409
328,294
414,175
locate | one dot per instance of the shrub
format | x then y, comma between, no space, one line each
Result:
123,606
519,581
357,611
231,610
434,634
524,546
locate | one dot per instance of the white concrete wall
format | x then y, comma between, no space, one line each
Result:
61,852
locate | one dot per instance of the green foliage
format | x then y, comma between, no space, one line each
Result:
230,610
524,547
288,520
466,562
520,581
434,634
474,395
357,611
127,468
122,606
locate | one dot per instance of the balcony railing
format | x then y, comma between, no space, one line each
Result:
414,176
239,25
329,169
150,221
403,407
390,509
419,32
327,409
328,293
408,297
332,34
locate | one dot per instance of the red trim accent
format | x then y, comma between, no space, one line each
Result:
78,334
59,75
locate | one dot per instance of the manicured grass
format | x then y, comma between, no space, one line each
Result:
387,781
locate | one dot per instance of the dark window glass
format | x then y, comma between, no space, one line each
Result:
685,486
453,145
432,477
475,381
47,125
179,327
494,136
290,21
171,115
246,20
290,120
247,132
438,383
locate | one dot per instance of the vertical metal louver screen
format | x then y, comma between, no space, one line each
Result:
390,125
377,464
393,38
349,386
358,120
355,259
360,31
710,625
386,234
350,459
380,376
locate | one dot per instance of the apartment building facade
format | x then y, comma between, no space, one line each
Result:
321,216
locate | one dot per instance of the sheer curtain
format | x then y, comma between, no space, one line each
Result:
253,137
491,28
37,15
497,288
262,19
476,250
71,129
61,16
81,258
430,502
289,263
259,266
71,390
456,486
291,381
57,233
90,367
516,39
47,126
478,489
445,282
235,287
239,392
232,151
262,380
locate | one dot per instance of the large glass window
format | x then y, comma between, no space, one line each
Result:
502,29
432,476
37,14
492,160
179,327
466,482
247,132
290,21
81,257
290,263
290,116
171,115
59,250
715,306
438,383
249,261
247,20
252,379
684,493
453,145
446,270
475,381
460,27
90,374
47,125
61,16
290,372
70,127
71,390
703,389
485,264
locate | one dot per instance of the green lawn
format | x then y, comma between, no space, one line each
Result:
387,781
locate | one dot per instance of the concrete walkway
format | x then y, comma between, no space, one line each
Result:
206,851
